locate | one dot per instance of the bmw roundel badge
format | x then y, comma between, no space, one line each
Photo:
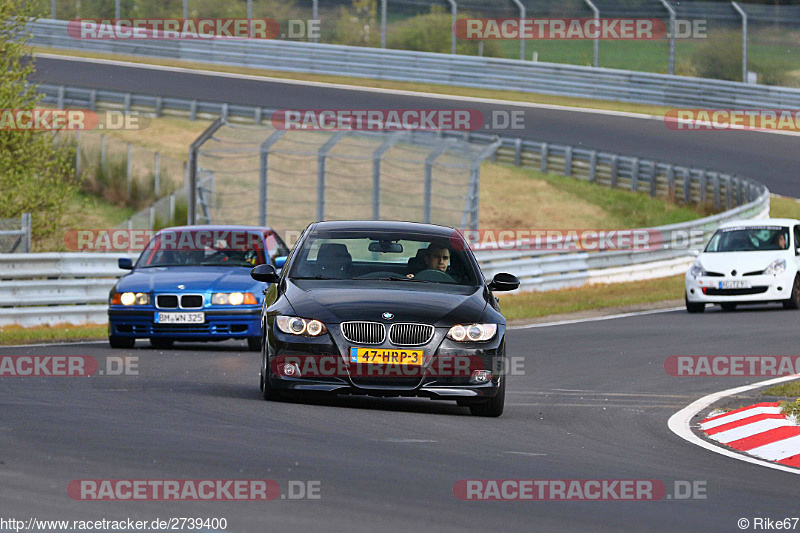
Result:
387,316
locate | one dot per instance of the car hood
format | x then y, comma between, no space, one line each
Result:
194,279
341,300
725,262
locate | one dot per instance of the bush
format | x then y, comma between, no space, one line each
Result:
719,57
431,33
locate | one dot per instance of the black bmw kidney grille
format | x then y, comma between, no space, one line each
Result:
192,301
364,332
410,334
167,301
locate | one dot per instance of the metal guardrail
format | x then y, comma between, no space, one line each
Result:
454,70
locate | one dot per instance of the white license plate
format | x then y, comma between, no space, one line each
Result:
734,284
180,318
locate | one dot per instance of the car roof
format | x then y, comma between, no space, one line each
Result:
384,225
218,227
760,222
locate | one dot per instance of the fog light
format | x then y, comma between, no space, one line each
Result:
481,376
291,370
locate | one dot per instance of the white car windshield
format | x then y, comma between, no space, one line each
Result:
750,239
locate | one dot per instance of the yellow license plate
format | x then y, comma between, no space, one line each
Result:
384,356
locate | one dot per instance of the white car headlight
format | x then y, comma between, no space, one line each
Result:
233,298
130,298
472,332
776,267
697,269
300,326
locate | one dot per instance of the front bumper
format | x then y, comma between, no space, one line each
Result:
445,373
219,324
773,288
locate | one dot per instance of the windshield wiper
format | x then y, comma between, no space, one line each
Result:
398,278
310,277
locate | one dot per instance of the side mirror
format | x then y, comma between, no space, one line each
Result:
265,273
280,261
504,282
125,263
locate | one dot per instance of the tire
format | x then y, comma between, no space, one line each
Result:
267,392
121,342
694,307
794,300
728,307
493,407
254,344
161,344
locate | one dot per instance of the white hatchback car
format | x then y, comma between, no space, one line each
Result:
747,261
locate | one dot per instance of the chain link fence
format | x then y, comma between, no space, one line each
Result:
288,179
15,234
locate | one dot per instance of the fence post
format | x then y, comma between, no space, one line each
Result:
128,175
671,35
687,186
157,178
635,174
127,103
117,9
191,169
593,165
321,157
60,101
263,167
653,182
442,148
614,171
193,110
93,100
596,39
159,105
171,209
521,7
377,155
743,14
53,9
454,11
185,9
315,14
568,161
152,217
517,152
383,23
26,227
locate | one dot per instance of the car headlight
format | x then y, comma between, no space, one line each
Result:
697,270
130,298
233,298
300,326
776,267
472,332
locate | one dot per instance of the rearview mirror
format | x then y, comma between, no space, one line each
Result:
504,282
386,247
125,263
265,273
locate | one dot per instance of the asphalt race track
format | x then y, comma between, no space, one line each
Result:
770,158
592,402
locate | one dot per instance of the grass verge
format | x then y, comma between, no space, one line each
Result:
60,332
791,388
539,304
784,207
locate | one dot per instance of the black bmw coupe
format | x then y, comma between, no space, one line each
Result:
385,309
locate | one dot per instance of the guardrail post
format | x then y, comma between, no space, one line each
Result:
103,151
614,171
60,101
543,162
159,105
568,161
593,165
93,100
171,208
635,174
703,186
670,181
224,112
517,152
193,110
321,157
152,217
653,180
728,192
127,103
687,186
715,181
257,116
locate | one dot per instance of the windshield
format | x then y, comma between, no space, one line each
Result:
203,248
383,256
751,239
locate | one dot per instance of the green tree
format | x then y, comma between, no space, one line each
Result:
35,175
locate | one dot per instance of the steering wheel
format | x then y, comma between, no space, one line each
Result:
432,274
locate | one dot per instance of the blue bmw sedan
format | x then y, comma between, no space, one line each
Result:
192,283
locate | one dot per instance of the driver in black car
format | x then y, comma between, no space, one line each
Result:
437,257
